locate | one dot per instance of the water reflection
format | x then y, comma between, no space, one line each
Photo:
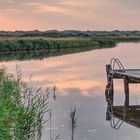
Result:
80,80
40,54
130,115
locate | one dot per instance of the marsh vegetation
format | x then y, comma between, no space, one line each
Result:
29,44
26,48
22,108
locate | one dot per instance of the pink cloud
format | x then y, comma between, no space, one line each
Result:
50,8
69,14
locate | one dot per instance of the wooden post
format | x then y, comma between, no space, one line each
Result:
108,68
109,93
126,91
110,81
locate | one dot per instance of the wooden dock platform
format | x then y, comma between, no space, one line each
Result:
129,76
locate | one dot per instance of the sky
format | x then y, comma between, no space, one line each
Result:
69,15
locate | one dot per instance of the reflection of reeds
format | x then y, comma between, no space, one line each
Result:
73,122
50,119
40,54
54,92
50,114
25,48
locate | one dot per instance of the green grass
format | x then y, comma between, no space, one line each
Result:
28,44
45,43
42,43
21,109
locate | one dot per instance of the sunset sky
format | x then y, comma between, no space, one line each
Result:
69,14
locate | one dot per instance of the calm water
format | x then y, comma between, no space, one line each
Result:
80,80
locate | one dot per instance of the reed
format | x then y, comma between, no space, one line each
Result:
22,108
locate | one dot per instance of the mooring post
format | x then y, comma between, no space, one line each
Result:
110,83
126,91
109,92
108,68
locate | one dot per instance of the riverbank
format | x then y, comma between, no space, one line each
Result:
25,48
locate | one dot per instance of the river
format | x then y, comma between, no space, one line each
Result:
80,81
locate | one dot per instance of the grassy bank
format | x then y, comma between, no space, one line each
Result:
42,43
119,39
45,43
25,48
21,109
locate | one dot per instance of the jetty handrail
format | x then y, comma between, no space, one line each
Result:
114,61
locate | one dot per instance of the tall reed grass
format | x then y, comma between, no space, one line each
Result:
22,108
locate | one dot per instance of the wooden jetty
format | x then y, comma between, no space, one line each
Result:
126,112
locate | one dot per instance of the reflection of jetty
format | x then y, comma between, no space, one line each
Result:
131,116
127,112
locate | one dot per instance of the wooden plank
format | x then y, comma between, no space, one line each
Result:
126,74
130,107
124,70
132,78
